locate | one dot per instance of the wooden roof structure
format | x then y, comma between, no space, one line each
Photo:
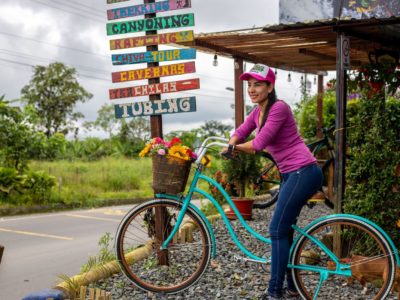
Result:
303,47
313,47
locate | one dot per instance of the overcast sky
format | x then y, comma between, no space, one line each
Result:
36,32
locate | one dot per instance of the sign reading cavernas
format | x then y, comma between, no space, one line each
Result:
155,107
156,88
151,40
161,71
149,8
160,23
153,56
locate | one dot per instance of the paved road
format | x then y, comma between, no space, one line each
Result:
40,247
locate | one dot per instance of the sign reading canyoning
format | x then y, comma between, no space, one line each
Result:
168,22
157,60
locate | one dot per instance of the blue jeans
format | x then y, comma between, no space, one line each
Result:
296,188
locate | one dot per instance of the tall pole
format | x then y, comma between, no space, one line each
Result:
239,98
340,136
320,115
156,131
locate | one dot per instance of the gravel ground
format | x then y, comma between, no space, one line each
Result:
226,278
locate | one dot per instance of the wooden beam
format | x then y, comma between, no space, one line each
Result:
239,99
315,54
320,115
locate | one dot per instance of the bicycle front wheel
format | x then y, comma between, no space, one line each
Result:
267,183
355,243
138,242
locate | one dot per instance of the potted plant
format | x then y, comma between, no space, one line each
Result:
240,173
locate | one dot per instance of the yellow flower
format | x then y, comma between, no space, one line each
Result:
398,223
145,150
179,151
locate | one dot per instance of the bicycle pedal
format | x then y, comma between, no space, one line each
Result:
245,259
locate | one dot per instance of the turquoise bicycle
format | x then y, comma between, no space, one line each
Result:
165,245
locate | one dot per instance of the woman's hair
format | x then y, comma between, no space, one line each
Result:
271,100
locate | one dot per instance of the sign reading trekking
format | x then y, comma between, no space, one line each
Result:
149,8
156,107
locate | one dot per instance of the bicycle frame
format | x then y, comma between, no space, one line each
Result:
341,269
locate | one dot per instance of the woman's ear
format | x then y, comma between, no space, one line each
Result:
270,87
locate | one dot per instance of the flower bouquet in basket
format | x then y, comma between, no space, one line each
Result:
171,164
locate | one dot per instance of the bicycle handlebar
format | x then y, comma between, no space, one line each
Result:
223,142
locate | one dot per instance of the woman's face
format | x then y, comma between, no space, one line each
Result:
258,90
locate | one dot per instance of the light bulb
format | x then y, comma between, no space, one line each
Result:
215,61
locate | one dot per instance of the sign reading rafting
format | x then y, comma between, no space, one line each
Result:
156,106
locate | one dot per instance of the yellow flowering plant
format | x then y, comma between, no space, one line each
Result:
174,148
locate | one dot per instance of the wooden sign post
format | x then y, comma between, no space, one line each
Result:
156,106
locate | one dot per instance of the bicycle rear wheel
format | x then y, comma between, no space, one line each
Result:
267,182
138,245
355,243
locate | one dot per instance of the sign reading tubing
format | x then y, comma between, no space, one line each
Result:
151,40
161,71
160,23
148,8
154,89
153,56
155,107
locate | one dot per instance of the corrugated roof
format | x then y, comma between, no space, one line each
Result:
307,47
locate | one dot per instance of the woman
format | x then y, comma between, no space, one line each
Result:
276,132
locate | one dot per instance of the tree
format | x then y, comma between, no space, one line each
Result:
215,128
15,137
53,93
105,120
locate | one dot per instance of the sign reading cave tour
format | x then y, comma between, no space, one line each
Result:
153,56
149,8
155,107
159,23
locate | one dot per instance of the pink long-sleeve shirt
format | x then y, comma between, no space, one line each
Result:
279,136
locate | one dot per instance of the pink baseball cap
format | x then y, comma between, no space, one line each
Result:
260,72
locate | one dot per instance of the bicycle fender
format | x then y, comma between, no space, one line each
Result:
200,213
376,226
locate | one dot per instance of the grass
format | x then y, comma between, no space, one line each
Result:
84,183
89,182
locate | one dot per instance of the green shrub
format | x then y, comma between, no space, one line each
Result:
372,182
10,182
37,186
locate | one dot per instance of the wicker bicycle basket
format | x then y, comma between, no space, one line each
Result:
170,174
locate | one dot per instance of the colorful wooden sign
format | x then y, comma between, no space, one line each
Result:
115,1
159,23
153,89
151,40
161,71
155,107
149,8
153,56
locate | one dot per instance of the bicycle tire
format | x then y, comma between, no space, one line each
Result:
188,256
362,246
269,180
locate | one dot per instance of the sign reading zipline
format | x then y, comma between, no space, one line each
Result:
153,89
161,71
151,40
155,107
153,56
160,23
148,8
